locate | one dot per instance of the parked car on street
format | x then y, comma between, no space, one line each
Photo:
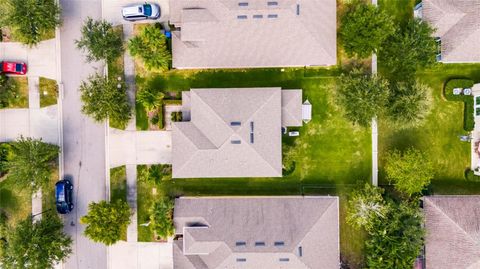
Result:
64,195
13,68
141,12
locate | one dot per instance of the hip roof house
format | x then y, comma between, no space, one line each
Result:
453,232
457,24
256,232
253,33
233,132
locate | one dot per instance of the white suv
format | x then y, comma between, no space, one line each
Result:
141,12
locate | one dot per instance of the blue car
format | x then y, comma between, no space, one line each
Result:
64,196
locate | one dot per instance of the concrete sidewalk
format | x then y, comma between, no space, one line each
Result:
132,232
141,255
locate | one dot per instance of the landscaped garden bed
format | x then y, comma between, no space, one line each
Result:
468,115
13,92
48,92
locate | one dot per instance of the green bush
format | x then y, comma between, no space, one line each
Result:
5,154
154,173
161,218
468,109
470,176
161,122
176,116
8,91
150,46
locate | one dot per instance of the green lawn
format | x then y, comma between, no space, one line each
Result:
21,100
15,202
118,188
438,136
48,92
147,193
118,183
332,154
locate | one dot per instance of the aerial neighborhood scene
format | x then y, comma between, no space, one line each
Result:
262,134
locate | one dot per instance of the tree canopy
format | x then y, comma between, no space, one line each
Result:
365,207
363,29
106,222
102,99
397,242
151,47
35,245
395,232
161,217
362,96
100,41
410,171
410,103
31,162
410,48
32,20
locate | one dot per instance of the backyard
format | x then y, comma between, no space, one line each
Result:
331,155
438,136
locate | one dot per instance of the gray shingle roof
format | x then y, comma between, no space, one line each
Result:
457,22
453,232
227,232
224,34
233,132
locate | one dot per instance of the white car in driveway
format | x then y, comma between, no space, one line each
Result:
141,12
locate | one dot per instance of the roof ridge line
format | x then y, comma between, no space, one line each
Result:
451,220
216,115
253,114
316,222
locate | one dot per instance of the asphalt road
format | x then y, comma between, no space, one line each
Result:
83,140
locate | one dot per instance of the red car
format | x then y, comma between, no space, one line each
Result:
14,68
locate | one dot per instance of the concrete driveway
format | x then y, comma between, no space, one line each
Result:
125,255
112,10
139,147
37,123
41,60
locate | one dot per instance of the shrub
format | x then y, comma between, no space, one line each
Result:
5,155
8,91
176,116
468,109
160,122
470,176
151,47
155,173
161,217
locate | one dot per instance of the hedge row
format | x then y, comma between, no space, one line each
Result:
468,109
